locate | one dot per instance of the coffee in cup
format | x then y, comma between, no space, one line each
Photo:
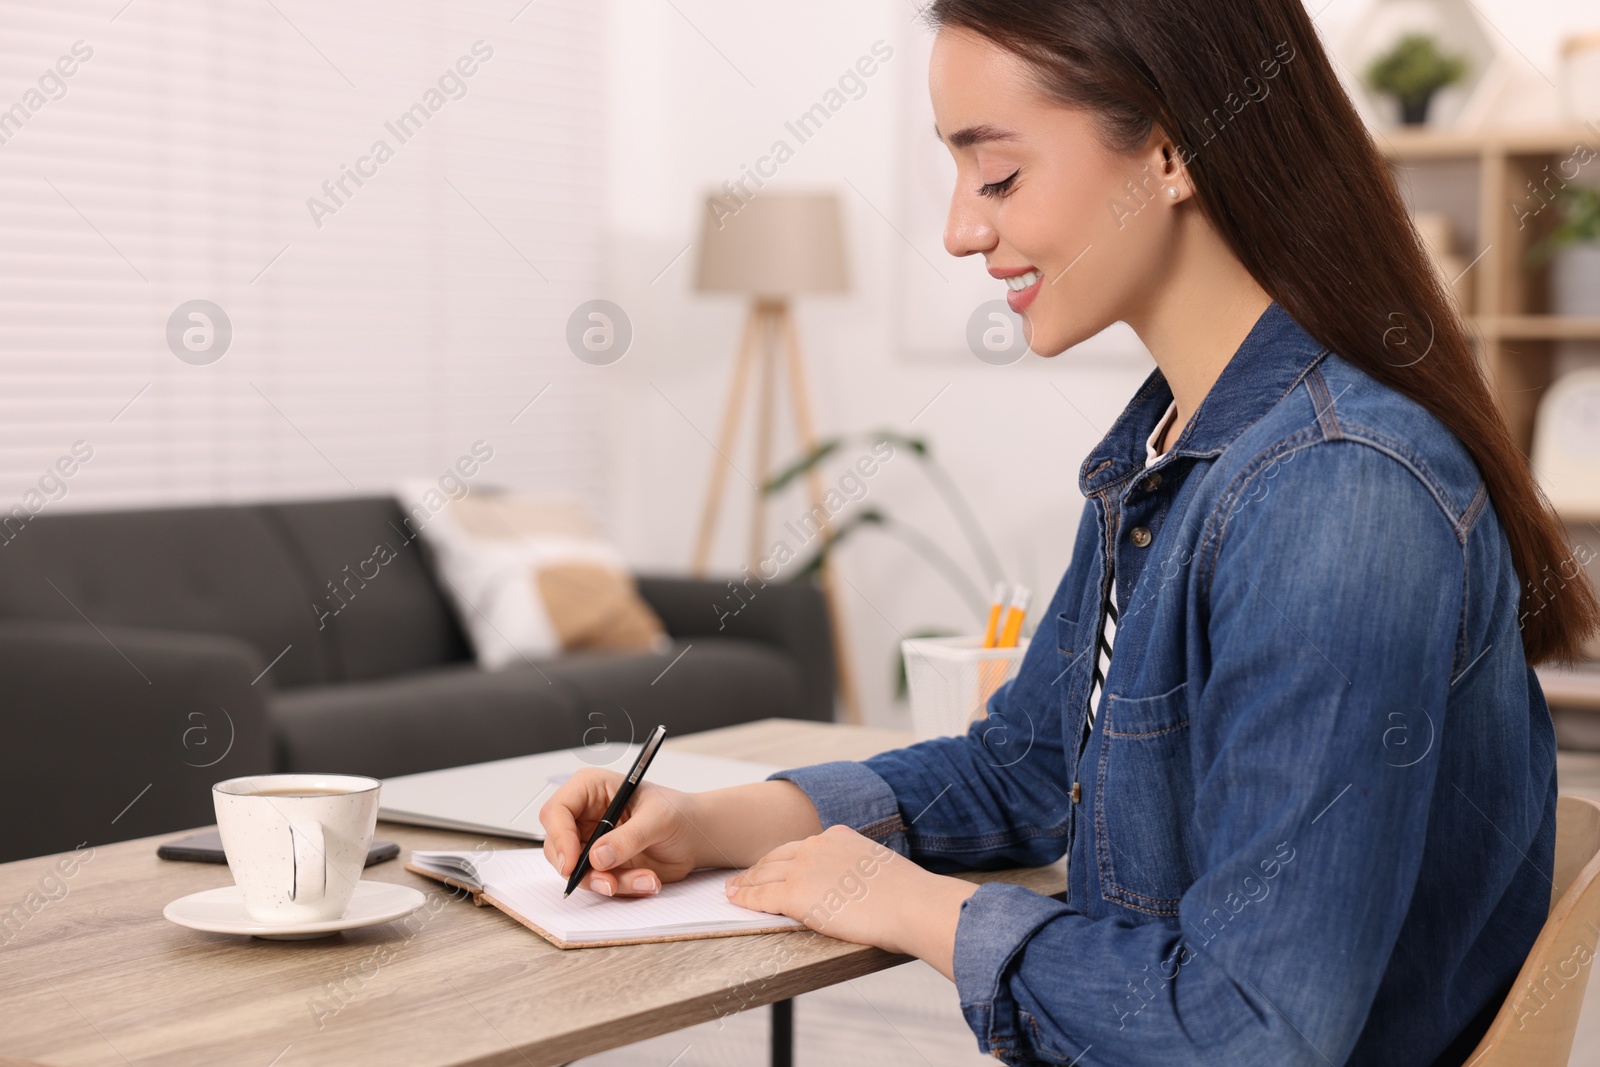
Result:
296,843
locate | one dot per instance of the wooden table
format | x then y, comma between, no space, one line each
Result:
97,976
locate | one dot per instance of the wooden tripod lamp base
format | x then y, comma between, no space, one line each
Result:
770,339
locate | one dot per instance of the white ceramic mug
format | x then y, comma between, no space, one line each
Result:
296,843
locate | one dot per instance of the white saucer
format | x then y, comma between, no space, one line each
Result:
221,911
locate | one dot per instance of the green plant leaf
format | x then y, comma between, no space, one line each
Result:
900,440
821,451
865,517
1580,222
1415,68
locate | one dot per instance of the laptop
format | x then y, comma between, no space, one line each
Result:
503,797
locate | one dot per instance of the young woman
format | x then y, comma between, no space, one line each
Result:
1280,714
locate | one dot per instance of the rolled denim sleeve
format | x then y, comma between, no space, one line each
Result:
1309,840
852,794
988,799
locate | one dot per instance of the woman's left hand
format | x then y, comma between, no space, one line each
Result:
848,886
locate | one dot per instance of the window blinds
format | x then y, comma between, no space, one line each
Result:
279,249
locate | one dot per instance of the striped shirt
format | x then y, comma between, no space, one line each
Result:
1108,610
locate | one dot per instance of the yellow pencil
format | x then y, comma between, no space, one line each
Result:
1016,611
997,608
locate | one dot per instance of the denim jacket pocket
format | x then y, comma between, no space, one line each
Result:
1064,632
1067,648
1144,795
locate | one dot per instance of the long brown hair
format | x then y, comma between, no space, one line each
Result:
1285,170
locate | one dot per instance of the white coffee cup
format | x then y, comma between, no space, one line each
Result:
296,843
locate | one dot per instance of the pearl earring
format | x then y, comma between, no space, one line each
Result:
1172,192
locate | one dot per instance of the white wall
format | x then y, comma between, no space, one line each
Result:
698,89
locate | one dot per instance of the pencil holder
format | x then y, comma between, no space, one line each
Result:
951,680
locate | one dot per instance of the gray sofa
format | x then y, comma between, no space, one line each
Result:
147,654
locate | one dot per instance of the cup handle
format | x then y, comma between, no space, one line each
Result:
310,879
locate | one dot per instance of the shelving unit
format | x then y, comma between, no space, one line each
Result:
1496,186
1489,183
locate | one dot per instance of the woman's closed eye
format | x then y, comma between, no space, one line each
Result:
1001,187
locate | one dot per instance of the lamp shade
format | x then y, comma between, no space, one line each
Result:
774,245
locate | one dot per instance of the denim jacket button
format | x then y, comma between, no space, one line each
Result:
1152,483
1077,792
1140,536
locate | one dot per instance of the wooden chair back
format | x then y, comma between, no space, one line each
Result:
1536,1024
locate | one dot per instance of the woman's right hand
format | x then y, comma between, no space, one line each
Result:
655,842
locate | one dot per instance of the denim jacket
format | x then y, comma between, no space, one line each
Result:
1314,821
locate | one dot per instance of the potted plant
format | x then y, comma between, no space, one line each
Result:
971,591
1412,71
1573,251
968,588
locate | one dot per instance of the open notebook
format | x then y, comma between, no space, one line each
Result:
521,883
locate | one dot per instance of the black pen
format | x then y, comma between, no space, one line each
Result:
608,821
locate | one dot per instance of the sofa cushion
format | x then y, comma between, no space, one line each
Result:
218,570
375,606
716,682
422,721
530,576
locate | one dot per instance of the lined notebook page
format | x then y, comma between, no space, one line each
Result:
523,880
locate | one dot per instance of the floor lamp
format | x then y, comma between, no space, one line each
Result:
770,249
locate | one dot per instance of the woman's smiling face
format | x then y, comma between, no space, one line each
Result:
1079,231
